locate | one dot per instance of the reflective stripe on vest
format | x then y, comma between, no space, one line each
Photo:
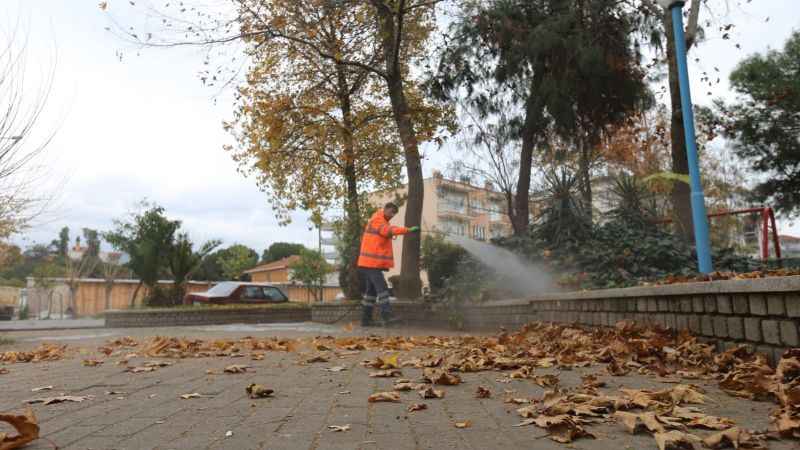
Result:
377,256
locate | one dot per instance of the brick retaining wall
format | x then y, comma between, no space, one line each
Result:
764,313
204,316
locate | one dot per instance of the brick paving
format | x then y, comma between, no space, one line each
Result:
307,399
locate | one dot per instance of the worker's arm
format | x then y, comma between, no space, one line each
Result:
389,231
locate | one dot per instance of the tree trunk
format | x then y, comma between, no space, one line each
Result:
681,192
521,216
353,228
410,283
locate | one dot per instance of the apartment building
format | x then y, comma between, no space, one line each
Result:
454,208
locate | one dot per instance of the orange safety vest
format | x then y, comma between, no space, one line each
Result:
376,243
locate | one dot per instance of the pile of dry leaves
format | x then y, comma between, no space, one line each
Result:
717,276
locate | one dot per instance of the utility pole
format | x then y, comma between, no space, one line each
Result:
699,218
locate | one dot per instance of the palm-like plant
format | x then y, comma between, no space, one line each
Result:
564,216
184,261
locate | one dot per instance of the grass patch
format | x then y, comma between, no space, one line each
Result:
5,340
287,305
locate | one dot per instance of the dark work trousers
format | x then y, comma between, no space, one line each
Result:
375,291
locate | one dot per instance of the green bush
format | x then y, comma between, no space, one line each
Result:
24,313
441,260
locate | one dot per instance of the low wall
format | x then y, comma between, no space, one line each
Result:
205,316
764,313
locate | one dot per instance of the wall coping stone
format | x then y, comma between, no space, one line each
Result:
753,285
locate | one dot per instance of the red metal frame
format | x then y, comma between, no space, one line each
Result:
767,220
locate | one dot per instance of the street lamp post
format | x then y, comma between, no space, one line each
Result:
699,219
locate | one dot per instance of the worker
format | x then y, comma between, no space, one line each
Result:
375,258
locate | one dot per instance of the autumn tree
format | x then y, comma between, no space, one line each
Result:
280,250
337,56
313,130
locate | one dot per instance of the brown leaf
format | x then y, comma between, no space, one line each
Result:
386,373
562,428
441,377
140,369
317,359
633,422
27,430
384,397
3,371
59,399
408,386
236,368
430,392
546,381
258,391
675,440
464,424
417,407
483,392
92,362
339,428
733,437
190,396
528,411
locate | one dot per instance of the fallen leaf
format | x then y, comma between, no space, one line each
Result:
483,392
42,388
417,407
27,430
633,422
733,437
228,433
236,368
561,428
408,386
675,440
59,399
528,411
517,401
430,392
384,397
525,422
464,424
116,393
256,356
140,369
386,373
546,381
335,369
258,391
436,376
192,395
339,428
4,371
317,359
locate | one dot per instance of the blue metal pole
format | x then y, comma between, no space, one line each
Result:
699,218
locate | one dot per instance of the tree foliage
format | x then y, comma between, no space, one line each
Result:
311,270
235,259
147,237
764,122
567,66
280,250
183,261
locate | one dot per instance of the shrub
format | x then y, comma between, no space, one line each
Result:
441,260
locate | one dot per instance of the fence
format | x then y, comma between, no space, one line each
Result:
90,297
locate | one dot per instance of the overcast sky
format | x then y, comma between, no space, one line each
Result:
145,126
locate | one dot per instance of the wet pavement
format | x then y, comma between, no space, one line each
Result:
127,410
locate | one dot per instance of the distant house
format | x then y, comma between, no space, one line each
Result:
273,272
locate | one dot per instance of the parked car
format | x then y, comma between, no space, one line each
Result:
229,292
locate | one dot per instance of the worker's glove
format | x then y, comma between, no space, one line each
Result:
414,229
